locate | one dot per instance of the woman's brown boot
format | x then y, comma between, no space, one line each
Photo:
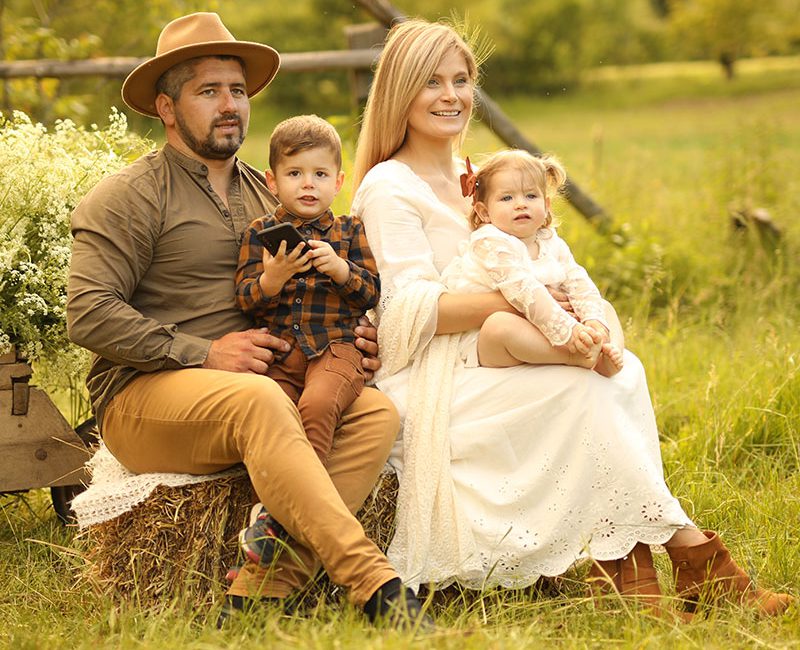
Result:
707,571
633,575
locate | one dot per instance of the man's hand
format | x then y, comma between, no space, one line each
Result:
563,301
248,351
282,266
368,344
326,261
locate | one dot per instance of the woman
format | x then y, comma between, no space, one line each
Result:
506,474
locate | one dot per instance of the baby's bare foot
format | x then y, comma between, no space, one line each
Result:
588,360
609,362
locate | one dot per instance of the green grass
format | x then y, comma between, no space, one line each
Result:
713,315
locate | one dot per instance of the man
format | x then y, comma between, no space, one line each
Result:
177,381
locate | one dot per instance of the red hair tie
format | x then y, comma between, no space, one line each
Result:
469,182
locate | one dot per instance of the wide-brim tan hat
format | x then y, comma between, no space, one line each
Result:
199,34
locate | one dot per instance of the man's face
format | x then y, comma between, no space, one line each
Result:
212,113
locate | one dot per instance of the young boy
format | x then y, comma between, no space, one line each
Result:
311,298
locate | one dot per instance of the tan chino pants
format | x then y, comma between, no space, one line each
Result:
201,421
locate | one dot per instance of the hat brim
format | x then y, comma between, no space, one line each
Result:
261,63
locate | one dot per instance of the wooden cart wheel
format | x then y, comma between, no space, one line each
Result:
63,495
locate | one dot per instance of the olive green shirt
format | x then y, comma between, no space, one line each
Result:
154,256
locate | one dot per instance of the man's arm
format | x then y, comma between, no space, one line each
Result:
115,229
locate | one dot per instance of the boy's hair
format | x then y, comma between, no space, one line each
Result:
300,133
546,173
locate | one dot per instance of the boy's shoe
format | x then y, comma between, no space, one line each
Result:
261,540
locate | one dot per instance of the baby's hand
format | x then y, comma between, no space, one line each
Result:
584,340
282,266
601,329
326,261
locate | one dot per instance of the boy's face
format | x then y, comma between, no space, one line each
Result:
307,182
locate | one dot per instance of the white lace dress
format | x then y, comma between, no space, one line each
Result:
494,260
515,472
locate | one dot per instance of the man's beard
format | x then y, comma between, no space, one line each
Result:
212,148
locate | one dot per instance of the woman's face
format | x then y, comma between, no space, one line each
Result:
442,108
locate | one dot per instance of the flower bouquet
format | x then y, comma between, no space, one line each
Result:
43,175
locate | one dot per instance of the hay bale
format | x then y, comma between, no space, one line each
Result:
181,541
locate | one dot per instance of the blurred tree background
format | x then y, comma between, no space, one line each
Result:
540,45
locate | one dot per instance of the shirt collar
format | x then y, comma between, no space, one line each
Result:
321,224
192,164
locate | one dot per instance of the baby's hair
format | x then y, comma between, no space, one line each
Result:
546,172
300,133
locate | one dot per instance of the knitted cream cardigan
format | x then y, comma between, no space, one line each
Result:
433,542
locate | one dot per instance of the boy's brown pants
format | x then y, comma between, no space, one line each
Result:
200,421
322,387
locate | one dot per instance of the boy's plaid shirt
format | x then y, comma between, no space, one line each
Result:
311,308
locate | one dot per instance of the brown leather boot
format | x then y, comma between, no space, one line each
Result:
707,570
633,575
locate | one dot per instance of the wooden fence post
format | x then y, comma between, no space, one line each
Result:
363,37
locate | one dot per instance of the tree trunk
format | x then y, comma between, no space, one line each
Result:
727,60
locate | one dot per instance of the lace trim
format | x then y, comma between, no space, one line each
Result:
114,490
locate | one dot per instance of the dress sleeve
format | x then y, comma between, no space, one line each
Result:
507,263
583,293
394,229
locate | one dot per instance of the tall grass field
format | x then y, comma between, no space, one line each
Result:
712,310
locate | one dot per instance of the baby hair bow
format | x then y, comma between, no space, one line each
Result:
469,182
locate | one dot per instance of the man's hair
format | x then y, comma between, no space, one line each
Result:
300,133
172,81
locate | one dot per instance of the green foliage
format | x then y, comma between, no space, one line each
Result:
43,175
728,30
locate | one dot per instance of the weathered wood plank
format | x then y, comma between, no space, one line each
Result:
39,449
11,371
121,66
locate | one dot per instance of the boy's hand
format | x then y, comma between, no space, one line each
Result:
279,268
326,261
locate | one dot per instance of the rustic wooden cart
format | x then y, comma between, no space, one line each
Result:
38,447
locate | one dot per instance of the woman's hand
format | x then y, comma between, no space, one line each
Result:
563,300
367,342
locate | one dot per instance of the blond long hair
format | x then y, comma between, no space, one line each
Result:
413,51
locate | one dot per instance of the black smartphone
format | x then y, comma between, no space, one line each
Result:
272,237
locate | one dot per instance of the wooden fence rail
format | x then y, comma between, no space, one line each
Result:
121,66
360,59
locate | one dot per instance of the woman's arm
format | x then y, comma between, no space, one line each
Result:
459,312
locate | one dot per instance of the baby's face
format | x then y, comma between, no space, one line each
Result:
307,182
514,204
